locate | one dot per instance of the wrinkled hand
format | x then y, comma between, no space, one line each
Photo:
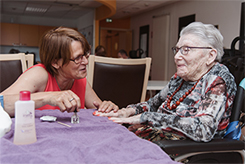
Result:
121,116
129,120
106,106
66,100
122,113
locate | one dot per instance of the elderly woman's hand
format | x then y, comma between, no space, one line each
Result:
122,113
129,120
66,100
106,106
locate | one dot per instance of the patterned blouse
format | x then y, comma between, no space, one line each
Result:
202,115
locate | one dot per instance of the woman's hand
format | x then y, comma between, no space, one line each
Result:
66,100
106,106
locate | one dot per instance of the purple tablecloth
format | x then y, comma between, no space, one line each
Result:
94,140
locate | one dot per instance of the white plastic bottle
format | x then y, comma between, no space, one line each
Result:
25,130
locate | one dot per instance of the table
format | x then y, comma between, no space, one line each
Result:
156,85
94,140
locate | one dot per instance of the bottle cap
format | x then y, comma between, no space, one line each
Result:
25,95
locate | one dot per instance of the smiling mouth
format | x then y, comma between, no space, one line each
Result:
180,65
83,69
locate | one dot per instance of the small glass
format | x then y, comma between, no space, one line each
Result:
75,118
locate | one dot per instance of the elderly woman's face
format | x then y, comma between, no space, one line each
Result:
192,65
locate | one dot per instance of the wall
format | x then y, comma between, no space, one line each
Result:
81,23
116,23
225,14
85,25
115,35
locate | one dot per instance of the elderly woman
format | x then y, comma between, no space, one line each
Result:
196,103
59,82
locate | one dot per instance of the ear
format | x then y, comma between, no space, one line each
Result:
55,64
211,56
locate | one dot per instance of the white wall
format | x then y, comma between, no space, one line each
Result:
85,25
225,14
85,21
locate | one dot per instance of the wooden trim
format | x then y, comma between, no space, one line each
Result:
108,9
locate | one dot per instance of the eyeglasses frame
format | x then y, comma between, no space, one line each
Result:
86,55
176,49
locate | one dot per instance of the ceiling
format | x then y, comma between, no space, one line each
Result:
73,9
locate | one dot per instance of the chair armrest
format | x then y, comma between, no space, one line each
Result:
187,146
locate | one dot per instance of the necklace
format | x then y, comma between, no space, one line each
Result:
174,106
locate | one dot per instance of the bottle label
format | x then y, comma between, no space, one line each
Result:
25,132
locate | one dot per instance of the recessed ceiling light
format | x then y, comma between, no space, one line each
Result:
35,9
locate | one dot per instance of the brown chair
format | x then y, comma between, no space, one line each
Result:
11,67
122,81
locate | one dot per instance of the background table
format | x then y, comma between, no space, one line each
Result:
155,85
94,140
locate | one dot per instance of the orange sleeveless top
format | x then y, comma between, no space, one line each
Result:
78,87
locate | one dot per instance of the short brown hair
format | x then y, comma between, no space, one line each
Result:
56,44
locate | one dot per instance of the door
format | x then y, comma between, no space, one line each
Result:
144,40
160,48
114,40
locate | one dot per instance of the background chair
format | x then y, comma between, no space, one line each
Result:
122,81
216,151
11,67
29,60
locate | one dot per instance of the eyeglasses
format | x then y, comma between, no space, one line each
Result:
185,49
79,59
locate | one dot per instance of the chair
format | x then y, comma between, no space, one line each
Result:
122,81
29,60
11,67
216,151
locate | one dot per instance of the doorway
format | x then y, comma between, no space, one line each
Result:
144,40
160,47
115,39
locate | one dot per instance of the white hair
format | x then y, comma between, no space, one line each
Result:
208,33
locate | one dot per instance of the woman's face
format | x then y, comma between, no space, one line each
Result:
191,66
73,70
